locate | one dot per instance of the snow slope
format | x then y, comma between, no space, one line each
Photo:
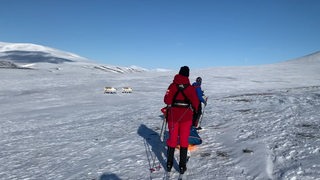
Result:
13,49
26,55
261,122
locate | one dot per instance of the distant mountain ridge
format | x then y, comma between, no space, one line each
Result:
32,57
17,55
8,50
314,57
26,55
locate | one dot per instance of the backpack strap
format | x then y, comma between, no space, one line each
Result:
181,103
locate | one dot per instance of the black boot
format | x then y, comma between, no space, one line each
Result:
183,159
170,155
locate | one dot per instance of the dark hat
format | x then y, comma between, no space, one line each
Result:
184,71
199,80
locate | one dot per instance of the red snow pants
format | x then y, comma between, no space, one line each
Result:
179,125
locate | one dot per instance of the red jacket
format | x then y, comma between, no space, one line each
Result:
189,91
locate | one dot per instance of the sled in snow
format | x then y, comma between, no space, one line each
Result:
194,137
110,90
126,90
191,147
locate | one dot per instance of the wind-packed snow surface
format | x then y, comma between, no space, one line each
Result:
261,122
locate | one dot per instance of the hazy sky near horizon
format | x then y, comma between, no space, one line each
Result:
167,33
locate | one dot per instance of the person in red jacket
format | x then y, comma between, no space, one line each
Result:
181,99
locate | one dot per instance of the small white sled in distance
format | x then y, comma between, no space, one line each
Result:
110,90
126,90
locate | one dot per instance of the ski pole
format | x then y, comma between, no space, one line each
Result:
199,125
164,125
162,133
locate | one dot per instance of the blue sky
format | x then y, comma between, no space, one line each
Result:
167,33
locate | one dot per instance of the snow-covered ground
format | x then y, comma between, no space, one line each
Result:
261,122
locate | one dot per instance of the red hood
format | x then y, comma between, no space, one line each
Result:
179,79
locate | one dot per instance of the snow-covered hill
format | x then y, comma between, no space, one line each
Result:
311,58
261,122
20,55
31,53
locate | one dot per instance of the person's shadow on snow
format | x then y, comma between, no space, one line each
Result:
155,148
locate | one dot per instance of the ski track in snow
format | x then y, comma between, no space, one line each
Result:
60,125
